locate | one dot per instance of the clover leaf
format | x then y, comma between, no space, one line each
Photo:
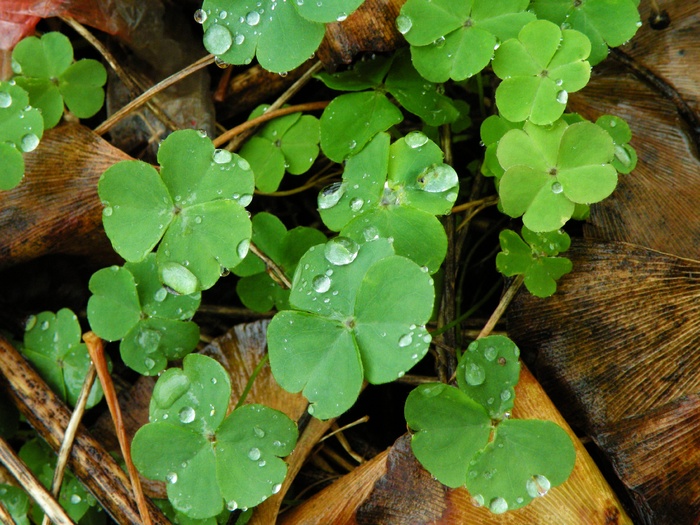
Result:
548,170
257,290
492,130
395,191
16,501
539,69
195,205
205,457
52,344
456,39
130,303
625,159
487,373
537,262
46,70
281,38
522,462
21,127
288,143
350,121
360,313
73,497
604,22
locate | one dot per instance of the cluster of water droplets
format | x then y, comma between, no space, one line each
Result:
29,140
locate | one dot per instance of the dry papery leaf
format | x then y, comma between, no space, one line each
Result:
616,349
393,489
56,209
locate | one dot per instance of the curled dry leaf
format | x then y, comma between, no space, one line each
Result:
394,488
616,347
56,209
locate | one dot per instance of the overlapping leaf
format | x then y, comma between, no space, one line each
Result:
361,314
195,205
16,501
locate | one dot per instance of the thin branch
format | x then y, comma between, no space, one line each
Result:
150,93
69,435
32,485
268,115
411,379
274,270
502,305
337,429
96,349
486,201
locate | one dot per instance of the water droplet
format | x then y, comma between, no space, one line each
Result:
160,295
437,178
341,251
242,248
341,17
252,18
259,432
370,234
613,123
330,195
277,443
239,39
427,338
490,353
171,477
352,144
223,15
169,388
403,24
149,340
231,505
221,156
506,395
45,325
75,499
356,204
311,410
186,414
498,505
557,187
245,199
321,283
16,69
416,139
149,363
440,42
179,278
254,454
432,390
563,96
276,488
477,499
405,340
217,39
200,16
30,322
5,100
622,155
29,142
537,486
474,374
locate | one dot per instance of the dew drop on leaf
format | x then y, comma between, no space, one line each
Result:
432,391
171,477
370,234
341,17
149,340
231,505
186,414
75,499
200,16
537,486
477,499
242,163
474,374
341,251
403,24
245,199
242,248
252,18
276,488
405,340
356,204
45,325
169,388
621,154
239,39
30,323
557,187
254,454
217,39
179,278
563,96
259,432
437,178
490,353
416,139
321,283
221,156
506,395
160,295
29,142
498,505
149,363
5,100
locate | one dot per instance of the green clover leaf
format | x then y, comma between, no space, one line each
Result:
256,288
456,39
361,313
16,501
523,461
448,427
130,303
205,457
350,121
487,373
195,205
537,262
395,192
604,22
548,170
21,127
492,130
539,69
52,344
625,159
46,70
288,143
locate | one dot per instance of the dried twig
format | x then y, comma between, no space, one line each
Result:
502,305
274,270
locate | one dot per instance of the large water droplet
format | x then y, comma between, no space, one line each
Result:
321,283
557,187
259,432
537,486
341,251
45,326
149,363
440,42
254,454
217,39
5,100
171,477
239,39
490,353
179,278
29,142
276,488
416,139
242,248
405,340
75,499
437,178
252,18
186,414
200,16
477,499
330,195
563,96
506,395
149,340
474,374
356,204
403,24
498,505
169,388
622,155
222,156
160,294
232,505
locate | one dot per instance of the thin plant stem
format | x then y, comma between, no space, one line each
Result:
486,201
274,270
69,435
311,183
251,380
363,419
502,306
150,93
96,350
